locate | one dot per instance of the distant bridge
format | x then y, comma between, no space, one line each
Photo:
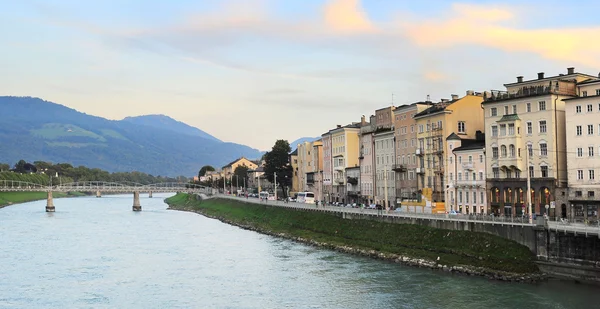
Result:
100,186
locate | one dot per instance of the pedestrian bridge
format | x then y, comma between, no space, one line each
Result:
100,186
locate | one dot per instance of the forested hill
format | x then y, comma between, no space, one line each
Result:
36,130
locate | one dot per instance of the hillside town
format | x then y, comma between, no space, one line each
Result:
472,154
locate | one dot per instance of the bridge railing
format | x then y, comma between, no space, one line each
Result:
18,185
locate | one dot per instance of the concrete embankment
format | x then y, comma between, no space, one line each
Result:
470,253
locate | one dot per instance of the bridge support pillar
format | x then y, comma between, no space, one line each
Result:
150,194
98,194
136,201
50,203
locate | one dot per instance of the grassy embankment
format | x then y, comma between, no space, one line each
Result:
454,248
9,198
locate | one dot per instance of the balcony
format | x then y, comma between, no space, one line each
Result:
419,152
399,168
468,166
353,180
420,170
340,180
516,162
469,183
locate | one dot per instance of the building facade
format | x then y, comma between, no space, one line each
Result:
366,161
405,135
461,115
314,177
582,118
344,150
305,164
465,171
384,161
352,185
527,138
295,175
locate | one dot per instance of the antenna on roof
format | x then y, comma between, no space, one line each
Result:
428,98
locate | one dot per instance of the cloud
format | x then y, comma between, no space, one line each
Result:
486,26
434,76
347,16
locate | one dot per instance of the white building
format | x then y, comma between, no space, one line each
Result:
466,192
384,162
583,150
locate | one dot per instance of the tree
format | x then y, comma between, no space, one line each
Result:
20,166
240,175
204,169
277,162
4,167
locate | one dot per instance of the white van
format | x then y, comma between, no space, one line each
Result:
306,197
266,196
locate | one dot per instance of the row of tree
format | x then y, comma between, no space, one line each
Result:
42,171
277,162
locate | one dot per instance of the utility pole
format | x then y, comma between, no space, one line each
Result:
224,183
237,183
244,179
275,183
528,185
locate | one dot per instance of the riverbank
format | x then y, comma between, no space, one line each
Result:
463,252
11,198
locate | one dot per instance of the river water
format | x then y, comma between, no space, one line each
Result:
97,253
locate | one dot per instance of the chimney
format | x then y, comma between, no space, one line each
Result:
454,97
519,79
362,119
541,75
570,71
339,125
444,100
470,92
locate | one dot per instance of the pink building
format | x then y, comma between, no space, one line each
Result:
327,167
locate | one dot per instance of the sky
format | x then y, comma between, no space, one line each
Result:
254,71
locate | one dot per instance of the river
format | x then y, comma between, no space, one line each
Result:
97,253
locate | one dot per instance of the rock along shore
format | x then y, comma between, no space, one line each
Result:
421,263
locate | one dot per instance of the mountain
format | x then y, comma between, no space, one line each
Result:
33,129
168,123
301,140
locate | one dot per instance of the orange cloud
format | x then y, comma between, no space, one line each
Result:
481,25
347,16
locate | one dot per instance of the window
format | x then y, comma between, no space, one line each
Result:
450,160
579,174
590,193
467,197
460,197
578,109
480,175
544,171
481,197
508,174
480,158
578,193
529,107
531,173
496,172
459,176
517,174
461,127
529,127
511,151
474,176
542,126
503,151
459,159
511,129
494,130
591,151
502,130
530,150
493,112
506,110
584,93
495,152
470,159
514,109
591,174
579,152
543,149
466,176
590,129
597,91
542,105
579,130
474,197
590,108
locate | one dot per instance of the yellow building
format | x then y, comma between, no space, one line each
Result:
344,153
230,168
463,116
